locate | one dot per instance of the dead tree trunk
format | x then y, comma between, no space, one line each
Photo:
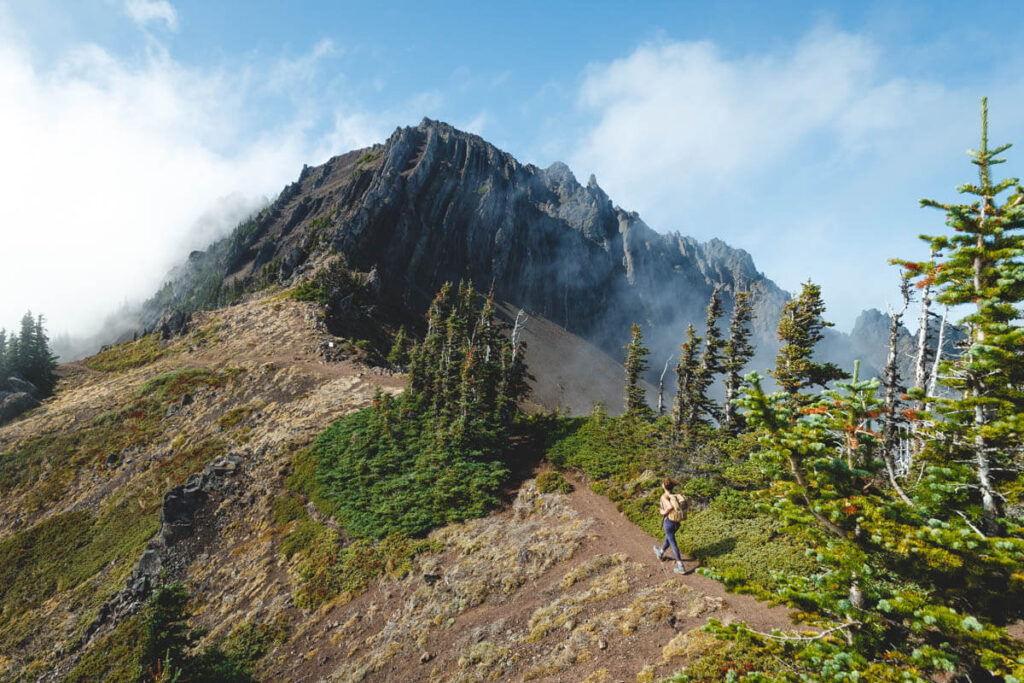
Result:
661,388
892,380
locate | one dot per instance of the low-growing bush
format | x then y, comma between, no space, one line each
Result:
301,538
251,641
749,548
734,504
331,568
287,508
552,481
701,488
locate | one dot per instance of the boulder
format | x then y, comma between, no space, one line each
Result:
291,260
13,405
179,506
172,323
20,385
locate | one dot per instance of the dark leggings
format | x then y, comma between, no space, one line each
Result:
670,537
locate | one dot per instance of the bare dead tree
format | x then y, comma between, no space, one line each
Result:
938,353
892,381
517,329
921,364
661,387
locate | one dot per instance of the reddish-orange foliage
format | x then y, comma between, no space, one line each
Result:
814,410
925,281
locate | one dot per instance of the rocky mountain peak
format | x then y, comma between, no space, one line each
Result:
434,204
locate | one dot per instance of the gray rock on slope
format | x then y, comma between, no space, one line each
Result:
13,404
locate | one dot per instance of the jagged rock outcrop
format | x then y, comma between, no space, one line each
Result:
172,323
435,204
169,552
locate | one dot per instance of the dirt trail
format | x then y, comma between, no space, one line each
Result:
399,630
618,534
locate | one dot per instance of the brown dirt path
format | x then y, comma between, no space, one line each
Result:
618,534
606,654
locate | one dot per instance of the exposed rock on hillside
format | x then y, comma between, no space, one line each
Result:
434,204
104,487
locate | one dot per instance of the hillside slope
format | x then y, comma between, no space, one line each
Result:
95,515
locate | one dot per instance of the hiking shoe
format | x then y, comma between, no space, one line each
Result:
659,553
681,569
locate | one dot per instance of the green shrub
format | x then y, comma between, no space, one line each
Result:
331,568
113,658
700,487
301,537
238,414
287,508
604,447
329,283
171,386
551,481
383,473
167,644
725,661
734,504
251,641
310,290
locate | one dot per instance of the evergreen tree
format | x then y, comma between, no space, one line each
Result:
710,364
982,268
28,354
42,362
686,378
398,356
436,454
800,330
738,352
635,366
916,584
167,644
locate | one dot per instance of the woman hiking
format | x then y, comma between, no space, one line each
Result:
672,508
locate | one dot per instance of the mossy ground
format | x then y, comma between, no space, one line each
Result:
127,355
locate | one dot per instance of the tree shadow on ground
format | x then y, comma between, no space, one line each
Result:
721,546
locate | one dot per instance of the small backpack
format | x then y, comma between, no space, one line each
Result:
679,504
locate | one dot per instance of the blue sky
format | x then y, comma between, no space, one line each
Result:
136,130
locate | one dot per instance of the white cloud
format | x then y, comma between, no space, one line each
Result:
812,157
684,111
113,170
145,12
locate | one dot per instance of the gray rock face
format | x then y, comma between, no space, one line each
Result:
172,323
434,204
445,206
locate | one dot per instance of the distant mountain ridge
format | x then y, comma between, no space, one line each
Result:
435,204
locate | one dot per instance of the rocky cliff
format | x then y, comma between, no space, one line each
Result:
434,204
